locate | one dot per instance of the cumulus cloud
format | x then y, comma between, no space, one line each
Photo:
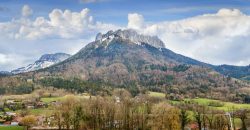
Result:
60,24
219,38
26,11
135,21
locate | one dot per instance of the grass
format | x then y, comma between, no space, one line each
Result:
51,99
157,94
41,111
11,128
226,107
205,101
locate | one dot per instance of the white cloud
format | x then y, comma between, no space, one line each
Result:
220,38
26,11
8,61
60,24
135,21
3,59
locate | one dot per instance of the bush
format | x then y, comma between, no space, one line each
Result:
23,89
181,68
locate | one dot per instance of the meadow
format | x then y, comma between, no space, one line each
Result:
225,106
11,128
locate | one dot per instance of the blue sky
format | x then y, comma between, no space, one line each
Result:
115,11
213,31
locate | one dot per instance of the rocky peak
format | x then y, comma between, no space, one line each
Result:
132,36
54,57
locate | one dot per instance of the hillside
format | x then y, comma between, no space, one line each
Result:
4,73
240,72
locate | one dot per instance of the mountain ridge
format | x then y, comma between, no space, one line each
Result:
44,61
133,36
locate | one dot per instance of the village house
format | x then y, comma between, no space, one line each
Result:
13,104
117,99
29,80
11,114
9,118
41,104
55,103
10,101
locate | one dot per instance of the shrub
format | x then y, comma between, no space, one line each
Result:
181,68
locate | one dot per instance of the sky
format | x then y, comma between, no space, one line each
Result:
212,31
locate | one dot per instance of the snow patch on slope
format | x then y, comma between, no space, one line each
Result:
44,62
131,35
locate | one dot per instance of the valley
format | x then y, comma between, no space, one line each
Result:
51,104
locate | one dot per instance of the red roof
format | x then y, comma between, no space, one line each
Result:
7,123
193,126
17,119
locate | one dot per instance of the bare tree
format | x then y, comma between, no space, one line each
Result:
242,114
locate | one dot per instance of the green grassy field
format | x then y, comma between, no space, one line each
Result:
51,99
156,94
41,111
226,105
204,101
11,128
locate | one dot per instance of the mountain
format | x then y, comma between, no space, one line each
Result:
126,59
45,60
5,73
123,46
124,49
240,72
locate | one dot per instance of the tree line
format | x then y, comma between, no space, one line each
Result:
122,111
